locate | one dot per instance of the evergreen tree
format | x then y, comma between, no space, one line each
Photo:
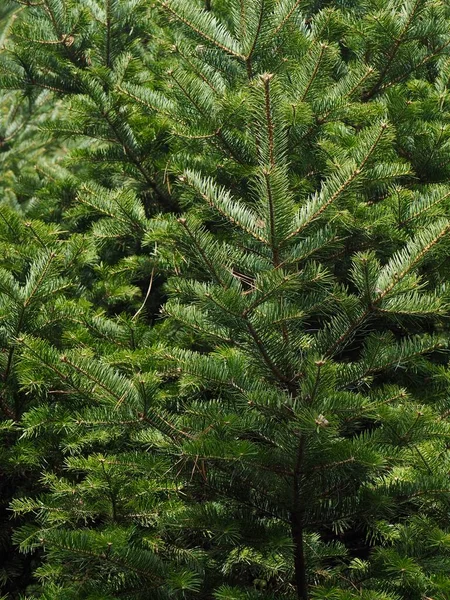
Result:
283,432
310,278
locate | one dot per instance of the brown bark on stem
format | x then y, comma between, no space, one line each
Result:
299,556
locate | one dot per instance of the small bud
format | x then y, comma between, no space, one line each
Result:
321,421
68,40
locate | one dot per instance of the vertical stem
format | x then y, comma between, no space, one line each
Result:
6,410
299,556
111,492
108,33
248,59
49,11
273,236
207,4
248,66
242,21
301,581
270,129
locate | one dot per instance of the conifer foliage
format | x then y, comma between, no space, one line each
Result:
224,299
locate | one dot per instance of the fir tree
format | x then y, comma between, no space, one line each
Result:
307,272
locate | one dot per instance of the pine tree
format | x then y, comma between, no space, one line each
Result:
24,251
307,273
283,431
78,436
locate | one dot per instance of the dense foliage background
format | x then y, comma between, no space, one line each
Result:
224,299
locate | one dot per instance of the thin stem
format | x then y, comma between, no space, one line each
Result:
112,495
297,529
392,54
248,58
164,199
199,32
272,366
287,17
213,271
108,33
270,127
146,296
6,409
323,47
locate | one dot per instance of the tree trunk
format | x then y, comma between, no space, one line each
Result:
299,556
